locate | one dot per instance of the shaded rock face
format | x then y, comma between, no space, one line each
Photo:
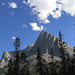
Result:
5,57
45,42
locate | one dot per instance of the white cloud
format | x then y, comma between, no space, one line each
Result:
3,4
46,21
13,37
24,2
44,8
35,27
25,25
25,46
12,4
45,28
69,6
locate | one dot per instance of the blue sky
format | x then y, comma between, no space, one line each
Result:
27,18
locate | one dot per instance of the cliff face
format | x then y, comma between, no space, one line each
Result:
45,42
5,57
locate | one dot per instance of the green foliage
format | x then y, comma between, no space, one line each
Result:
63,55
33,71
72,69
10,68
3,71
52,64
24,69
20,66
16,68
17,43
40,65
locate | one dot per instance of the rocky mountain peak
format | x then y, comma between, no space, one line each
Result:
45,42
5,57
44,34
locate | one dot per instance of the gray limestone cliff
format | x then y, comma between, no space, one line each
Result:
45,42
5,57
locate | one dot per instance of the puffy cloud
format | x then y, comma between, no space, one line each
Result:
24,26
25,46
69,6
12,4
45,28
24,2
35,27
13,37
3,4
46,21
44,8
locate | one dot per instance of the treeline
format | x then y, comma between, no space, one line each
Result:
18,65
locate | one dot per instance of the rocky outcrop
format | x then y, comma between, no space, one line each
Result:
5,57
45,42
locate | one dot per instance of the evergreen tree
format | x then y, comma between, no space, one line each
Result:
52,63
23,58
24,65
40,65
73,63
68,64
10,68
17,44
62,51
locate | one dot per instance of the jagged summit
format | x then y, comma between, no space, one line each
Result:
45,42
5,57
45,33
